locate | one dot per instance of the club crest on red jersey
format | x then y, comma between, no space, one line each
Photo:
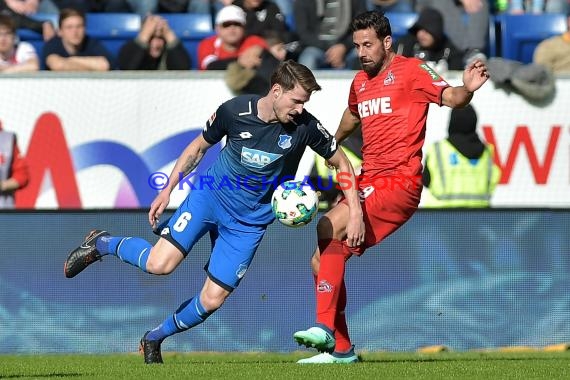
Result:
390,78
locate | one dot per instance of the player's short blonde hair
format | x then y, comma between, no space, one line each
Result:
289,73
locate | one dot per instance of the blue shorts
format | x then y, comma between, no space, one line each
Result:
233,243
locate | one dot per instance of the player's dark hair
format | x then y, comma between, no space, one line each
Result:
70,12
372,19
289,73
8,22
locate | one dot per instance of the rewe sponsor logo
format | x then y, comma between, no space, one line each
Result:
375,106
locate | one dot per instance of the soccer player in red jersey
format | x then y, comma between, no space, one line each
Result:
389,99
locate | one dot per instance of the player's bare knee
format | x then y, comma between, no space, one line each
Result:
160,265
212,300
163,259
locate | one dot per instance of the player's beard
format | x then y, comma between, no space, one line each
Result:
371,69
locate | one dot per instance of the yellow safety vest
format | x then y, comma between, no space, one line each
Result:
457,181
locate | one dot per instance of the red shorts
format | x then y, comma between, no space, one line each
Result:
385,209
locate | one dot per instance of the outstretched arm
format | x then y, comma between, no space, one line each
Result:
474,76
186,163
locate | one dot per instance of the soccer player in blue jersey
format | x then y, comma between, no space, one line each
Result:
265,139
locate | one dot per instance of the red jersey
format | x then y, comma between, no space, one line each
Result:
211,49
393,108
19,166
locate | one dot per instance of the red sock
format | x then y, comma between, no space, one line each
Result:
343,343
329,281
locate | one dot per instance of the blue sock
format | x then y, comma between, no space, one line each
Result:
131,250
191,313
107,245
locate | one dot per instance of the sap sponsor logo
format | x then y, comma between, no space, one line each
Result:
257,158
375,106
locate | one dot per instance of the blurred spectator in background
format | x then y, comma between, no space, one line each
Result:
14,173
554,52
156,47
172,6
143,7
25,7
110,6
286,6
230,43
257,79
276,45
499,6
427,41
460,171
183,6
217,5
391,5
93,6
538,6
323,27
73,50
45,28
15,56
466,24
262,16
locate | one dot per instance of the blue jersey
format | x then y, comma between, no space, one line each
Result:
258,156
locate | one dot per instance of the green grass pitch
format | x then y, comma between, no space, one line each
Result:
273,366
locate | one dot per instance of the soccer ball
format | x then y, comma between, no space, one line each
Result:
294,203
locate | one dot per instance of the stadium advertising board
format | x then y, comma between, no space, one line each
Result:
96,143
465,279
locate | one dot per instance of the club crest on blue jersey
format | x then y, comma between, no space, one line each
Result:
284,141
257,158
241,270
